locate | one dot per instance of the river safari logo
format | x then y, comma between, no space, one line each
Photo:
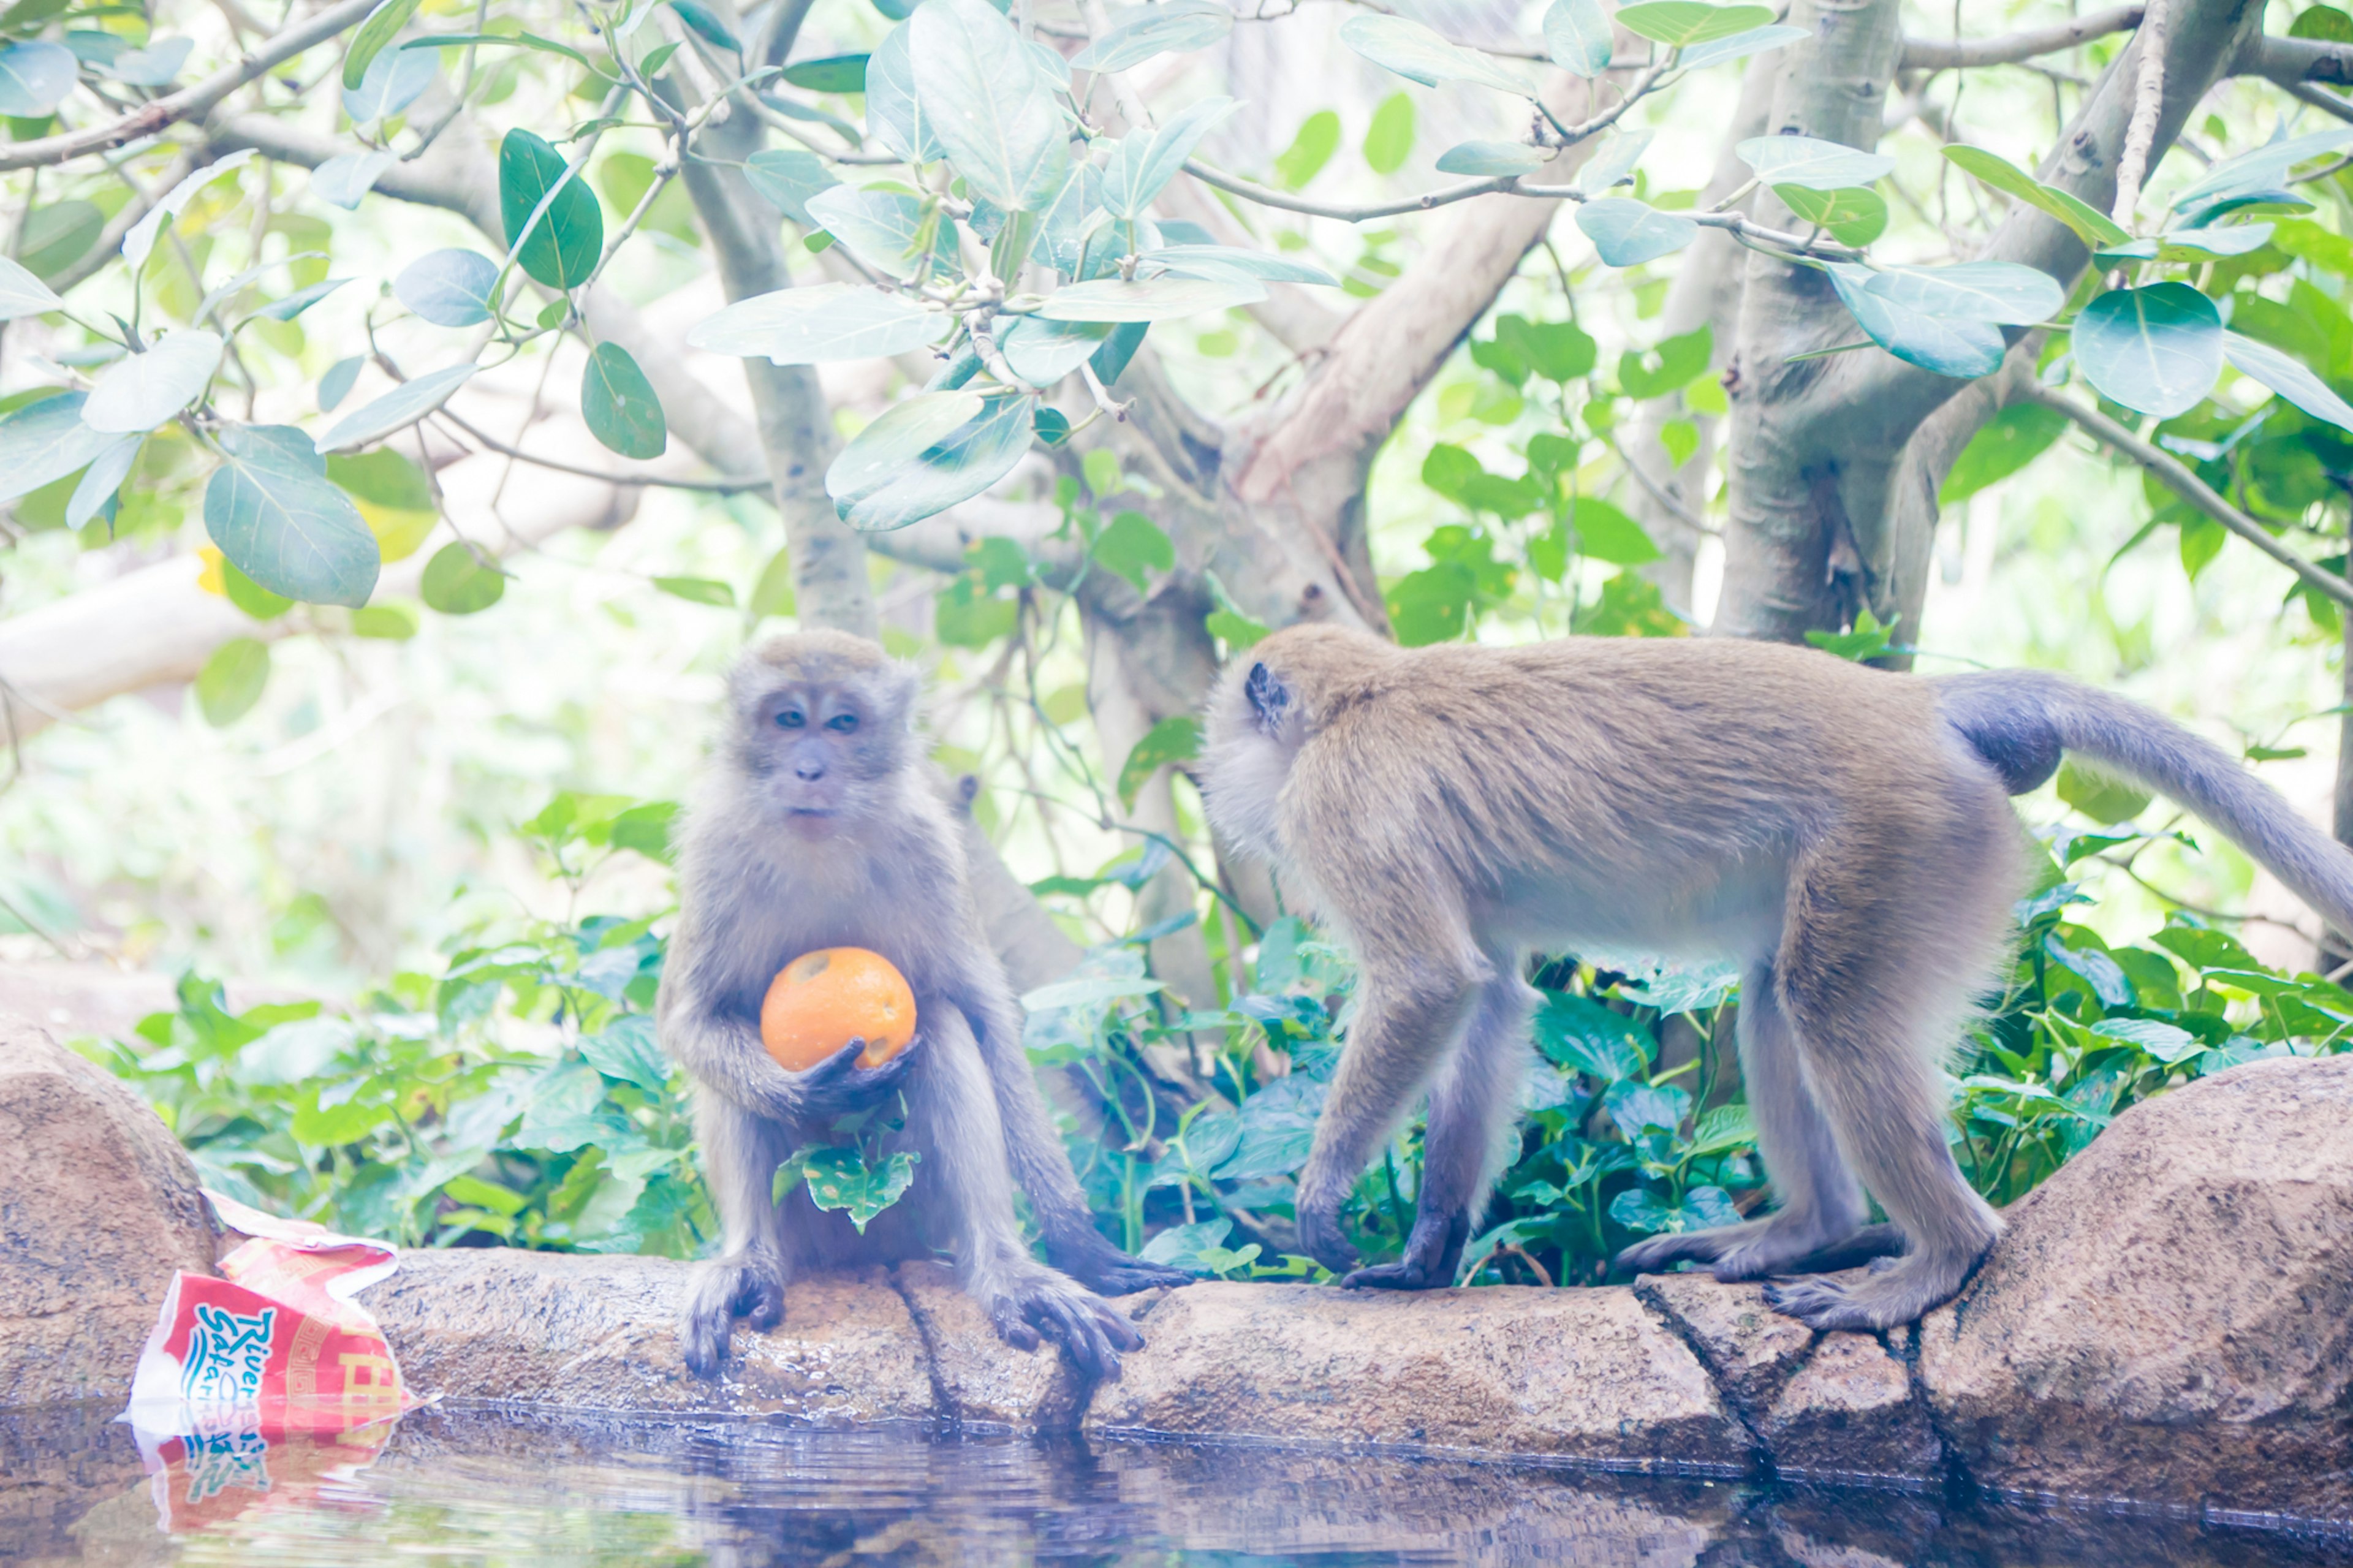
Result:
263,1386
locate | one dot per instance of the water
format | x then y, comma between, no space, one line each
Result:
498,1487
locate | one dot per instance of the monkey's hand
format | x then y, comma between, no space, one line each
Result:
1098,1265
1319,1231
839,1086
748,1285
1088,1327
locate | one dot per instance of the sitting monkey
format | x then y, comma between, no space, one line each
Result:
817,824
1839,831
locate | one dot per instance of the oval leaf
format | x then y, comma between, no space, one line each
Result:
813,326
1493,158
43,442
141,238
2095,228
1626,233
1042,353
157,64
23,294
138,391
34,79
1002,129
1806,160
232,680
1234,261
336,384
281,522
1853,217
396,410
383,25
1149,300
563,244
834,73
1176,26
395,80
893,115
448,288
619,404
101,480
341,182
882,228
2157,350
1740,45
457,582
898,436
1577,35
2003,292
1144,162
2288,378
1960,348
1418,54
788,179
1681,23
960,465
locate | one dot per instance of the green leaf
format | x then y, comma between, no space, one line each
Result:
140,391
2095,228
985,102
1612,163
1493,158
2104,799
1577,35
1654,373
1810,161
1867,641
23,294
336,384
1853,217
1558,350
1311,148
788,179
1110,359
390,623
272,511
562,246
1739,46
814,325
393,80
396,410
1174,27
895,115
618,404
2156,350
34,79
1388,140
1607,533
625,1050
697,591
1418,54
2262,171
139,242
384,24
840,1179
2003,445
1177,740
2002,292
232,680
1233,261
1681,23
2192,245
954,468
834,73
1238,632
705,23
44,442
1582,1036
301,300
1626,233
2286,376
57,236
645,830
1133,546
1961,348
460,582
1144,161
102,481
1148,299
448,288
895,439
891,231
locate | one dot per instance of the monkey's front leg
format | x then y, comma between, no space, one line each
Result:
1411,1011
741,1152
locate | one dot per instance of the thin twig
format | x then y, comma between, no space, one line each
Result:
2013,49
2149,99
717,487
2191,489
1659,492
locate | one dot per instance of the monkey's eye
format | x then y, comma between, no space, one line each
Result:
790,719
842,723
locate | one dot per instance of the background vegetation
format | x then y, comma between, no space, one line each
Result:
355,633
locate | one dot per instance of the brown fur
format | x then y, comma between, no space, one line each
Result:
1831,827
817,837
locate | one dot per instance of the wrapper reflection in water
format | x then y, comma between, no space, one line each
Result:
268,1384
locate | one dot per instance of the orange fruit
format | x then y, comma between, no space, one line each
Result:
823,1000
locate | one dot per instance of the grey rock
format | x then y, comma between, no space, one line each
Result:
98,1208
1849,1413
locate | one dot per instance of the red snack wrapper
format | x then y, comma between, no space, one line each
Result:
275,1361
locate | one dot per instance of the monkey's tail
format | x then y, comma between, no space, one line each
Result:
2020,720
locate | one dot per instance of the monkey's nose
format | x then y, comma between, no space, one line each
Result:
808,772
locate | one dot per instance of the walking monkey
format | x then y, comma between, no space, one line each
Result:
1841,832
817,824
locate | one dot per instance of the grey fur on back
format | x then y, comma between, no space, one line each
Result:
2021,720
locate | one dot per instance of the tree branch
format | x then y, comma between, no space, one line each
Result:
2188,485
188,103
2291,62
2010,48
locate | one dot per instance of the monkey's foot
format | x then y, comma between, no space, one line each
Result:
1090,1329
746,1285
1106,1268
1433,1255
1902,1291
1320,1236
1757,1248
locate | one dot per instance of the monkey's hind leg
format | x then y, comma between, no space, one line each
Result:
1471,1109
741,1152
1821,1202
1875,992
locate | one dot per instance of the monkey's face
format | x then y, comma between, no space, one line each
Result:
820,754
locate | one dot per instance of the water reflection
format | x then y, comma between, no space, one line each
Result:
501,1488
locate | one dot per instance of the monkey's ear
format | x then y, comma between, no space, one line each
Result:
1269,700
